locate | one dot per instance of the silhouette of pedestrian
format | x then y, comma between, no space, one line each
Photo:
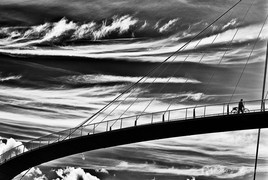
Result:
241,106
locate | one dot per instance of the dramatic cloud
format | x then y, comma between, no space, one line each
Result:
85,31
71,173
168,25
59,29
121,24
65,30
16,148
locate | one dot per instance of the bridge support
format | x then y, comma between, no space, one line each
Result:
264,80
262,109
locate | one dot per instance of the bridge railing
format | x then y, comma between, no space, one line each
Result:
193,112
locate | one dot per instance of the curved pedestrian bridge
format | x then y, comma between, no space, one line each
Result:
138,128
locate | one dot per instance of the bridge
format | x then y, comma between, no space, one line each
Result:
190,120
150,126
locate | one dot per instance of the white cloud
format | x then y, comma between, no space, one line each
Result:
168,25
50,32
32,174
36,30
10,145
111,78
84,30
194,96
157,24
59,28
144,25
2,79
232,23
121,24
71,173
102,170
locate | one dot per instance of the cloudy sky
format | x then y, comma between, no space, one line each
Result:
63,60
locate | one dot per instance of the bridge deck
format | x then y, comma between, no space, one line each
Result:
134,134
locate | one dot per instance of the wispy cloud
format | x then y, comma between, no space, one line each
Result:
144,25
168,25
7,78
110,78
218,171
121,24
231,23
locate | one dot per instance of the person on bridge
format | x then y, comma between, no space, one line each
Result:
241,106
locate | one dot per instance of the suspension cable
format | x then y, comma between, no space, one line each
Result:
153,70
248,59
177,71
196,65
134,91
229,43
197,36
24,174
146,87
130,96
167,81
174,100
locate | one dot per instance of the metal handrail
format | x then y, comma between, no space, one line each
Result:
56,137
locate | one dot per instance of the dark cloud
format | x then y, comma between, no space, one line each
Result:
25,12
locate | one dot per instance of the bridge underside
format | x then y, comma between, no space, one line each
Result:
50,152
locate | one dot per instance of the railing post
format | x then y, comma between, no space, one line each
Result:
135,123
227,109
152,119
107,125
186,113
168,115
121,123
194,113
163,117
263,106
205,111
110,128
